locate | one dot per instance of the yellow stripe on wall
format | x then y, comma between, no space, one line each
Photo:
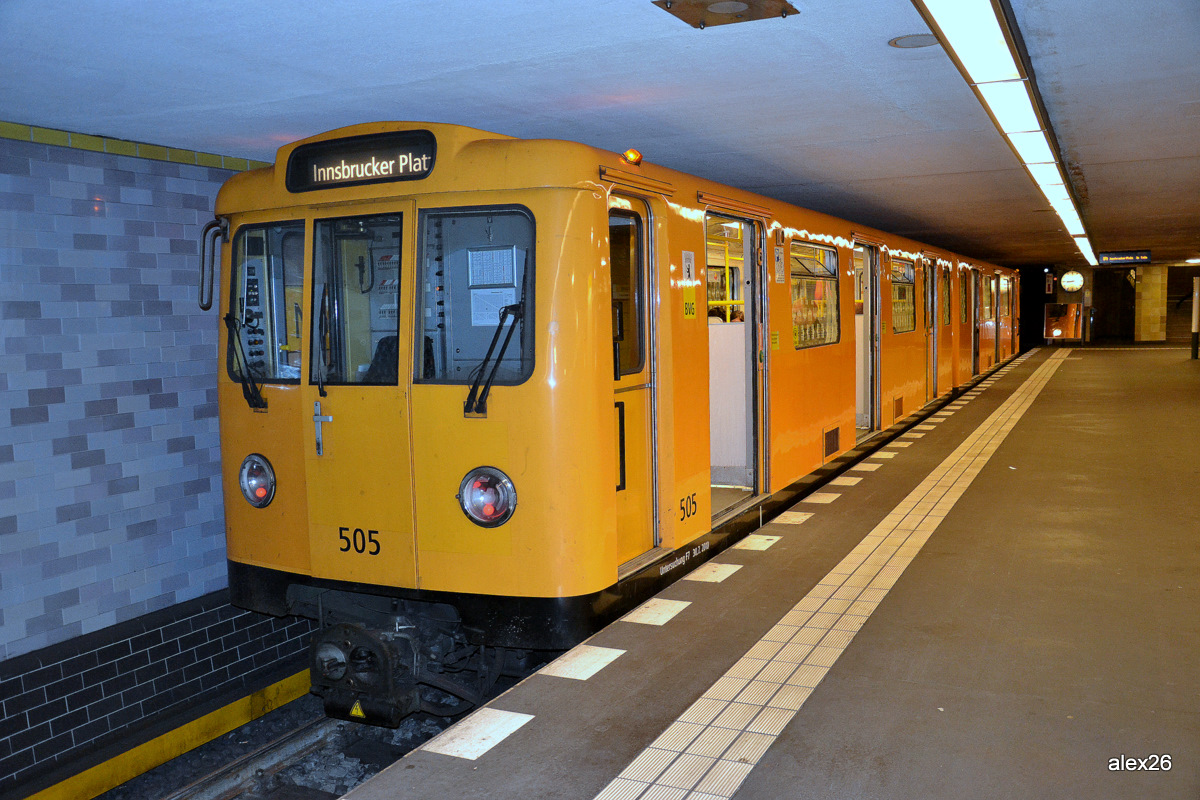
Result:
122,147
143,758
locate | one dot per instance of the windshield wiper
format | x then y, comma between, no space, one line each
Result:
250,389
476,399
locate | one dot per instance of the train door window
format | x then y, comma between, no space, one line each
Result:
726,262
356,284
625,243
475,294
904,296
927,276
946,295
985,305
264,312
815,319
1005,298
965,303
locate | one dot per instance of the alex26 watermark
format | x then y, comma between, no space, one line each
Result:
1151,763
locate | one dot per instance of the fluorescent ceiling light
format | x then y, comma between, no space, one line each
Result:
1032,147
1085,247
1011,105
972,31
1070,218
1045,174
1056,193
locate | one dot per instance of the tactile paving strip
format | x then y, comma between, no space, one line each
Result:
711,748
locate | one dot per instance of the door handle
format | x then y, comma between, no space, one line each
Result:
318,418
621,445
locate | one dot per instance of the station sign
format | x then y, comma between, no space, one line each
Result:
1124,257
358,160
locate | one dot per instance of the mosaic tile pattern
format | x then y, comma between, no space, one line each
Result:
112,556
108,431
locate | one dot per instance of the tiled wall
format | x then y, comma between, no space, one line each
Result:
111,503
1150,320
110,498
70,705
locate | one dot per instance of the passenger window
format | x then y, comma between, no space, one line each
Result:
985,311
904,296
264,311
356,284
475,288
625,249
815,312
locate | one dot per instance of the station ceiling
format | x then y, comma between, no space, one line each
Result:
815,108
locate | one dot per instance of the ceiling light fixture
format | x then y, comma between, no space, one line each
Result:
983,45
703,14
914,41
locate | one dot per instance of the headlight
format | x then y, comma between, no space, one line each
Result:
487,496
257,480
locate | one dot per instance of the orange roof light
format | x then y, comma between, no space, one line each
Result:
632,156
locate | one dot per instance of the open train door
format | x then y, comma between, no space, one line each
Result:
631,272
929,272
976,305
867,332
737,435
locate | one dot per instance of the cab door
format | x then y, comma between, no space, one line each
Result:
633,377
357,448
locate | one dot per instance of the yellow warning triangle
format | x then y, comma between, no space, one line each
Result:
356,710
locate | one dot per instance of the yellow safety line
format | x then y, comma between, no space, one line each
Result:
143,758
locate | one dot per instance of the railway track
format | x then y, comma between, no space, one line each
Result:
294,753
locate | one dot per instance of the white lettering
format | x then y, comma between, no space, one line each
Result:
403,164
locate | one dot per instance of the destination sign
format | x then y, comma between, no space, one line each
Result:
374,158
1124,257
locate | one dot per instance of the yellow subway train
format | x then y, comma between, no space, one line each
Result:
482,395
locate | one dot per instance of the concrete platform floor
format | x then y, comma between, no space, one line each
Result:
1006,607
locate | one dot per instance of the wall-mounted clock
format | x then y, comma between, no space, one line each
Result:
1071,281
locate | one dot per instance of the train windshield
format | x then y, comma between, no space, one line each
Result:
264,311
356,284
472,265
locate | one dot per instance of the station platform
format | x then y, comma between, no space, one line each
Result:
1004,602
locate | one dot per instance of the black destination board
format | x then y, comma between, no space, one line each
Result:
1124,257
374,158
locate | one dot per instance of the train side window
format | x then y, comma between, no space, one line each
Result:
474,285
815,307
355,315
947,287
985,304
625,253
1005,298
904,296
267,281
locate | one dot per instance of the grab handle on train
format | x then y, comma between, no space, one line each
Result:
208,258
